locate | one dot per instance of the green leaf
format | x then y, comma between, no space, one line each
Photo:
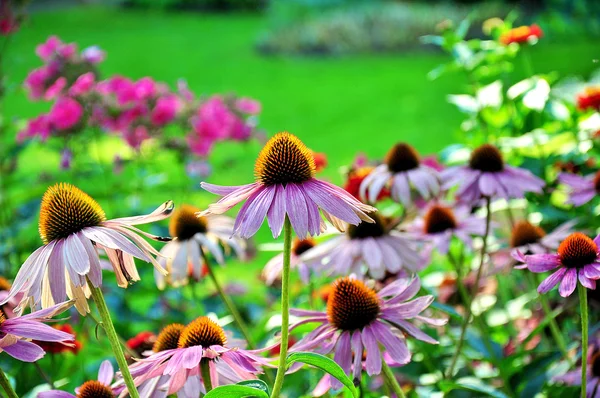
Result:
258,384
325,364
471,384
236,391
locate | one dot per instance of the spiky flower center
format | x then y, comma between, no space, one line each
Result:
184,223
439,219
596,364
66,210
351,304
302,245
402,157
597,182
368,230
168,338
4,283
203,332
94,389
577,250
486,158
525,233
284,159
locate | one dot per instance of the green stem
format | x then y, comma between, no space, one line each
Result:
205,371
228,303
44,375
285,308
391,380
584,337
469,310
6,385
554,328
115,344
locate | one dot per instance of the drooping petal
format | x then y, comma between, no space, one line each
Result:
551,281
568,283
373,354
297,210
160,213
25,351
277,211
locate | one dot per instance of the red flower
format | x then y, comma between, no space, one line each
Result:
320,160
589,98
356,177
522,34
141,340
59,348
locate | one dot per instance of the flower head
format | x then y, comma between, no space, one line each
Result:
100,388
285,186
358,318
179,350
15,333
522,34
401,172
59,348
141,342
73,227
486,175
581,189
577,258
194,235
367,248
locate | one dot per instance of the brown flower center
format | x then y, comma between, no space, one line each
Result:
402,157
203,332
66,210
168,338
284,159
302,245
351,304
486,158
577,250
597,182
4,283
439,219
525,233
95,389
184,223
368,230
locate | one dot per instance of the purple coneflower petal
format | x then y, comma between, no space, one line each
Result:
407,310
542,262
343,356
394,345
106,373
25,351
371,345
297,210
575,180
551,281
277,211
415,332
401,189
35,330
254,211
330,203
581,197
585,281
357,349
160,213
592,271
55,394
569,283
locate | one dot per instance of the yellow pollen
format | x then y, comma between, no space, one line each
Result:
284,159
66,210
168,338
184,223
94,389
351,304
202,332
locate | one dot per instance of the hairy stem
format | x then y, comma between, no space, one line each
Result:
391,379
205,372
584,337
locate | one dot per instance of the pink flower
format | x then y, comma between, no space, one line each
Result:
65,159
67,51
56,88
248,105
38,126
136,136
46,50
93,55
240,131
214,119
65,113
200,146
35,82
184,91
145,88
83,84
165,110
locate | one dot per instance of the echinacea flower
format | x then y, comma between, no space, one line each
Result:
9,307
577,258
73,227
401,172
359,319
285,186
14,333
589,98
192,235
367,248
581,189
486,175
140,343
179,352
573,378
522,34
274,267
100,388
59,348
440,223
354,181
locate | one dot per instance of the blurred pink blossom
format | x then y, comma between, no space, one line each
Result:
165,110
93,55
83,85
65,113
248,105
135,136
39,126
55,89
47,49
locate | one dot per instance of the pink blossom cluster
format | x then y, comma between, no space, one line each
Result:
9,18
136,110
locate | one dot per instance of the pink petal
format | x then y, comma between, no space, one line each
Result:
568,283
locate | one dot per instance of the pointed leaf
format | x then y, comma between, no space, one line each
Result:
325,364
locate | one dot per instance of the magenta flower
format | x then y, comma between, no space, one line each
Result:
581,189
488,175
135,136
47,49
577,257
165,110
14,333
65,113
367,248
358,319
55,88
35,82
73,227
248,105
401,172
83,85
440,223
92,388
40,126
179,351
285,185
